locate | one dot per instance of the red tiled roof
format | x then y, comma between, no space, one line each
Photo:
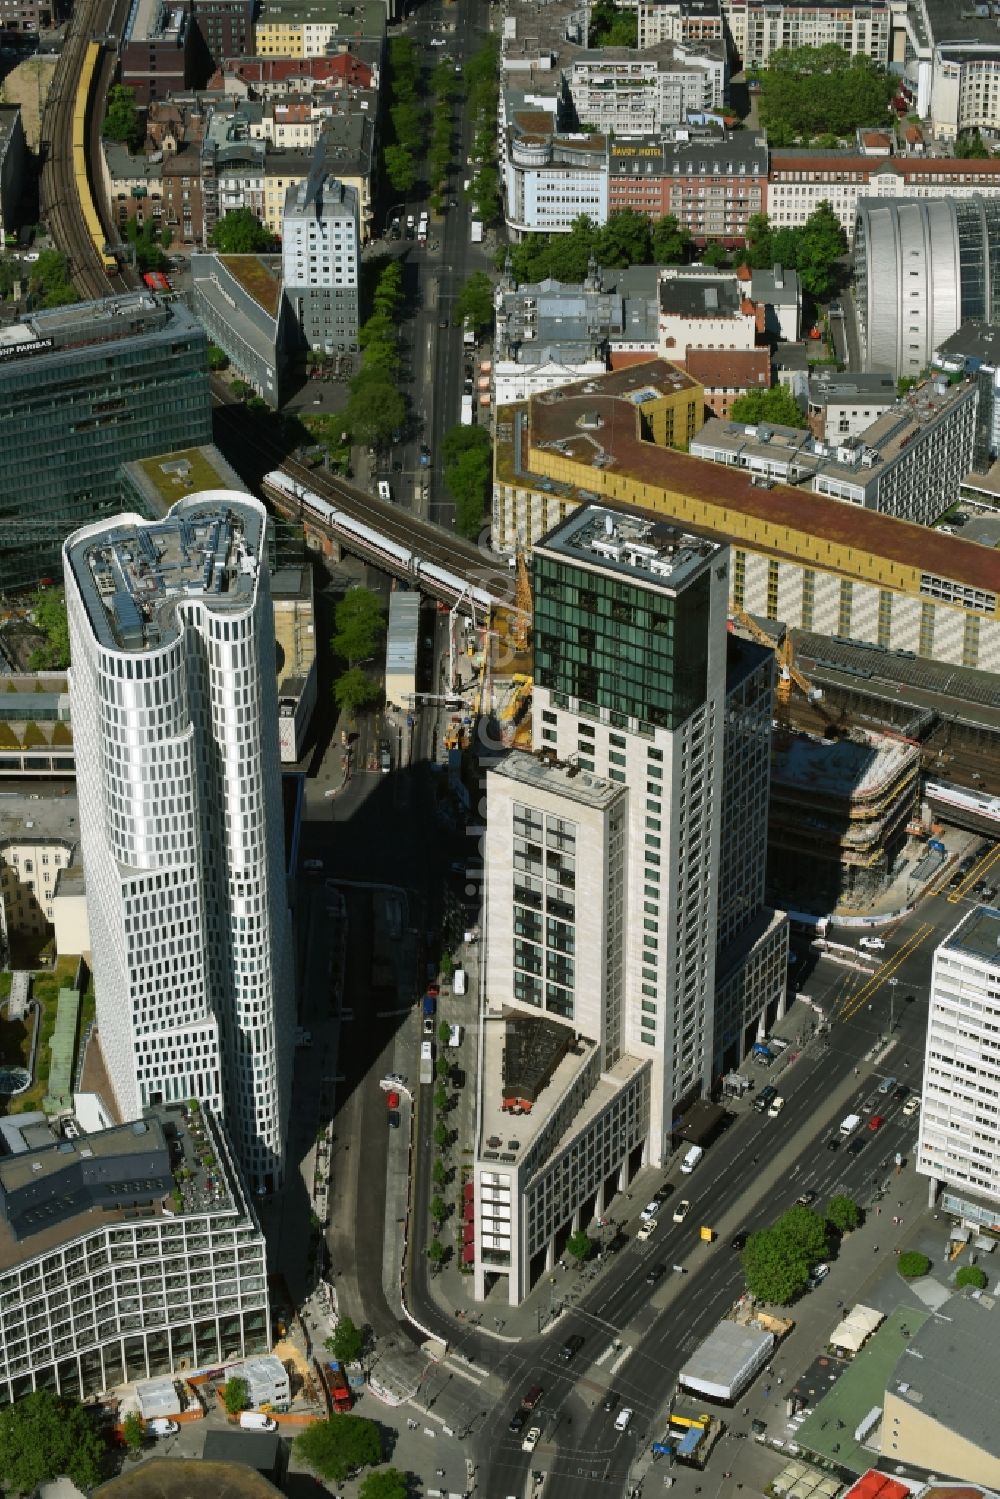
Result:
876,1485
730,369
341,66
921,166
624,359
913,135
555,417
875,138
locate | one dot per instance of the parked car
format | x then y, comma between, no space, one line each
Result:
393,1117
392,1100
765,1098
681,1210
650,1211
776,1105
819,1274
161,1427
872,944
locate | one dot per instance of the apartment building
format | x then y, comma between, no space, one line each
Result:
38,839
965,91
67,375
321,261
158,50
958,1148
224,28
551,178
759,27
691,21
909,462
727,374
712,185
842,404
175,723
307,28
275,77
127,1253
623,90
802,179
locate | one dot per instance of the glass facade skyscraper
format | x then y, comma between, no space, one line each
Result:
84,389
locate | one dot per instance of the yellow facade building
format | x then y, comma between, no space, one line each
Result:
813,562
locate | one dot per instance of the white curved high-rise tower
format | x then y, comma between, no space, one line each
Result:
176,739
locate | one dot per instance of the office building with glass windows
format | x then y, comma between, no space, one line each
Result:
84,389
126,1254
175,721
603,860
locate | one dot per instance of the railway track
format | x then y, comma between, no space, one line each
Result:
61,209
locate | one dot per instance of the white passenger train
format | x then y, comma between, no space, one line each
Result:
438,579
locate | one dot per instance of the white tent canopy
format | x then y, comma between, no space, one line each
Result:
857,1326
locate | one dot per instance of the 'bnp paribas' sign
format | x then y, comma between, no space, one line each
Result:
30,346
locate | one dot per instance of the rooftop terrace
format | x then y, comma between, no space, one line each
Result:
639,547
132,573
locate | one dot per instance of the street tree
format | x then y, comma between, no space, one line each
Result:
42,1437
375,408
821,243
803,1232
772,1273
121,118
440,1098
972,1275
441,1134
776,405
149,254
134,1431
359,622
240,232
400,168
386,1483
439,1172
484,191
218,359
843,1213
439,1209
474,303
912,1265
348,1341
580,1245
443,1067
336,1447
436,1252
445,82
48,611
354,690
379,328
409,123
235,1395
715,254
671,241
624,240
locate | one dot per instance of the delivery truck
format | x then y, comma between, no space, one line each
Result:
476,231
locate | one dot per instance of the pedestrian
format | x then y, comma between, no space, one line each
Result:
875,1248
878,1212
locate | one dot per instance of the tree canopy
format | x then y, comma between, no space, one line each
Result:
776,405
354,690
359,624
611,27
971,146
348,1341
671,241
580,1245
42,1437
971,1275
843,1213
810,91
813,249
627,238
912,1265
235,1395
50,282
375,408
474,302
240,232
386,1483
468,465
334,1448
777,1261
121,120
48,610
149,254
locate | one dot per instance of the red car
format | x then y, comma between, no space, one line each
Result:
875,1123
392,1100
434,990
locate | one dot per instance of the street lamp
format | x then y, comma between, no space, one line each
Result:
892,1004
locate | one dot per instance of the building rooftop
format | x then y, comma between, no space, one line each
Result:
776,285
182,1478
739,154
52,332
562,780
973,344
402,633
700,296
845,388
789,528
730,369
154,18
169,477
724,1353
950,1368
9,116
259,276
132,573
856,768
25,817
639,547
869,168
978,936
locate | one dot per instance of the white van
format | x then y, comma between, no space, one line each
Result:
384,490
850,1124
161,1427
454,1035
257,1421
691,1160
458,981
